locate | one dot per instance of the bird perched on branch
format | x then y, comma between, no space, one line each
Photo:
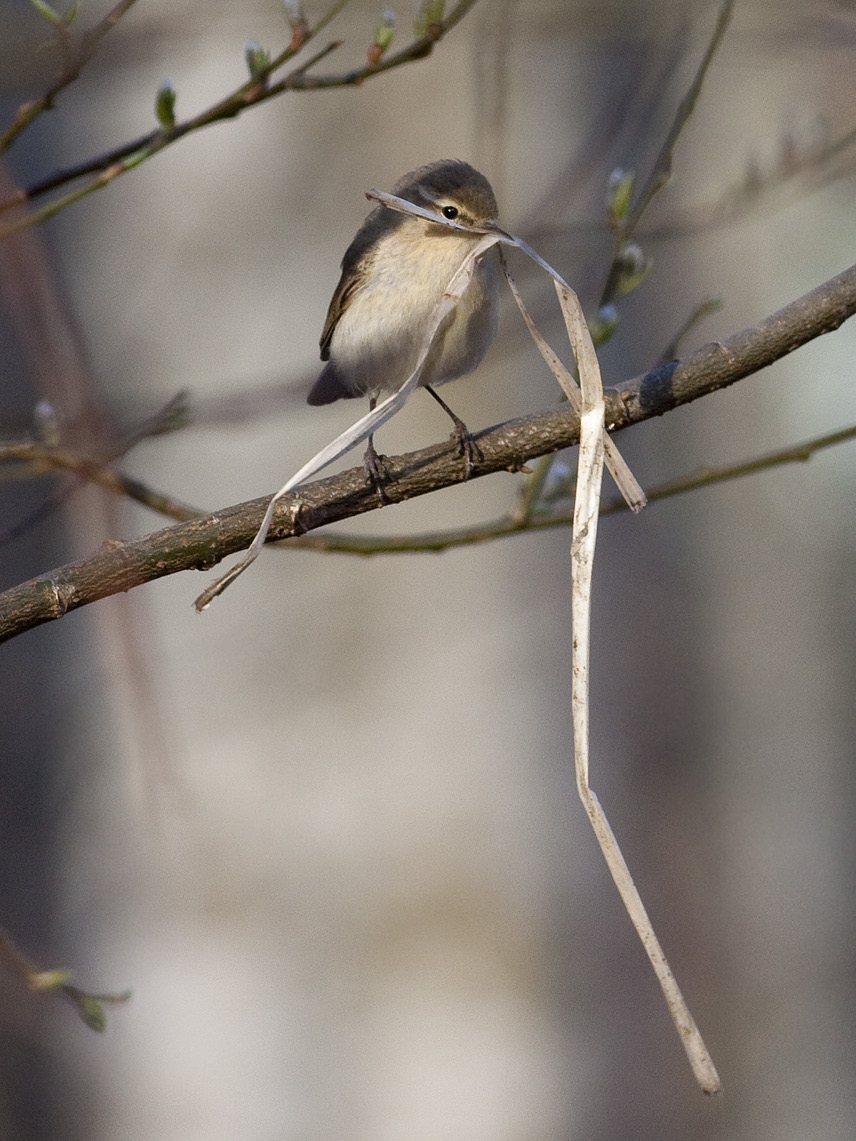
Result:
394,273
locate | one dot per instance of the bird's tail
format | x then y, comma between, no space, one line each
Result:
329,386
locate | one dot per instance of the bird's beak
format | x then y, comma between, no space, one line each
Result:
492,227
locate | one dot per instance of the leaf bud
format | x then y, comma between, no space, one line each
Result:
619,190
258,58
165,105
429,14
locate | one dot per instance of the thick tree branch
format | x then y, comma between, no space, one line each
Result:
720,363
201,543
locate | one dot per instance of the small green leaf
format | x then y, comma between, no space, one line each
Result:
45,9
90,1007
91,1011
430,13
165,105
69,14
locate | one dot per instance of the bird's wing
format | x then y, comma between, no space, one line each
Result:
355,269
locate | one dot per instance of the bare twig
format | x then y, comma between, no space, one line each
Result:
27,113
703,309
793,175
41,456
662,169
112,164
47,457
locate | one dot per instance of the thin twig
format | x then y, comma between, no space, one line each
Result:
661,171
704,309
662,168
27,113
805,176
57,980
43,457
134,154
110,165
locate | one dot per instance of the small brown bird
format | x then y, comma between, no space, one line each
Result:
393,275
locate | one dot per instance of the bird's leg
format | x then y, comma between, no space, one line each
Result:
376,473
467,447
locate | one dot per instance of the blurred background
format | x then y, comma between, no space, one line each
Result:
327,833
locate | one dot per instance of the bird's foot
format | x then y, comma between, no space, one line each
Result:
467,448
376,473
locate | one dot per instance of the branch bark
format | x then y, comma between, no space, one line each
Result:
201,543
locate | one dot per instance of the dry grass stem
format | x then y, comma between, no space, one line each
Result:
624,478
586,505
589,401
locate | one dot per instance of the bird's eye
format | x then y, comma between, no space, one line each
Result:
450,212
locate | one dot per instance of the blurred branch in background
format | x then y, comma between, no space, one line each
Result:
57,980
256,90
630,203
74,59
801,166
49,453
